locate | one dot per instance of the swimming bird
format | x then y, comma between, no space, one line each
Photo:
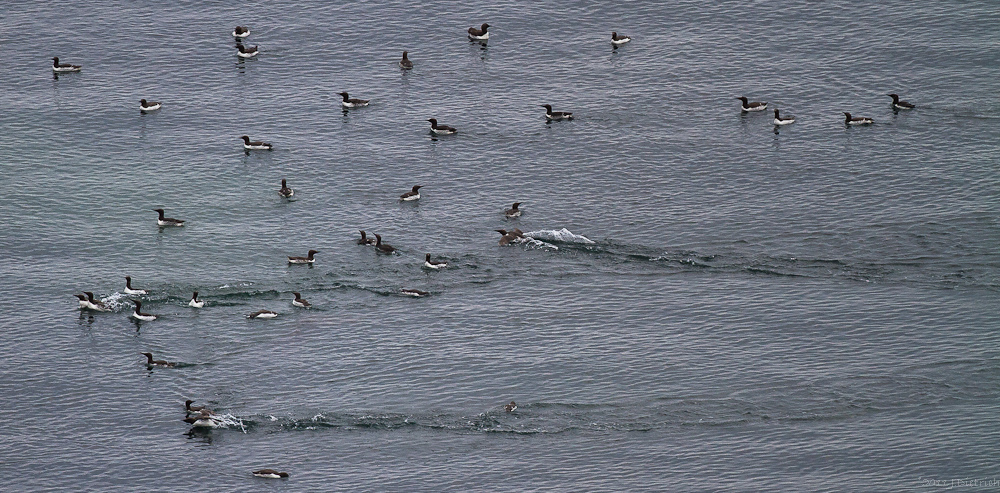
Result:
479,34
857,120
285,191
782,121
64,67
308,259
157,362
513,211
298,301
241,32
270,474
431,264
137,313
382,247
900,105
204,419
509,236
405,63
365,240
246,51
195,409
195,302
130,290
95,305
556,115
416,293
145,106
619,40
350,102
413,194
510,407
83,301
754,106
263,314
167,221
255,145
440,129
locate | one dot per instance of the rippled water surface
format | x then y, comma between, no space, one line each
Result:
708,303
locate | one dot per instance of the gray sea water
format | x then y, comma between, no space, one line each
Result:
712,304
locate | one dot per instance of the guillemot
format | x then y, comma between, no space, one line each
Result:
255,145
405,63
619,40
167,221
440,129
145,106
285,191
416,293
130,290
513,211
754,106
479,34
137,313
158,362
431,264
510,407
382,247
365,240
195,302
270,474
857,120
84,304
556,115
204,419
413,194
298,301
350,102
96,305
246,51
263,314
241,32
509,236
308,259
782,121
195,409
64,67
900,105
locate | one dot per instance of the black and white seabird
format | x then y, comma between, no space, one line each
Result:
246,51
139,315
157,362
405,63
145,106
382,247
440,129
241,32
510,407
195,302
416,293
298,301
413,194
270,474
619,40
64,67
350,102
84,304
857,120
263,314
900,105
513,211
285,191
509,236
782,121
195,409
365,240
308,259
556,115
130,290
205,419
431,264
479,34
754,106
167,221
255,145
95,305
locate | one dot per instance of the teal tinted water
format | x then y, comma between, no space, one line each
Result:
812,308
